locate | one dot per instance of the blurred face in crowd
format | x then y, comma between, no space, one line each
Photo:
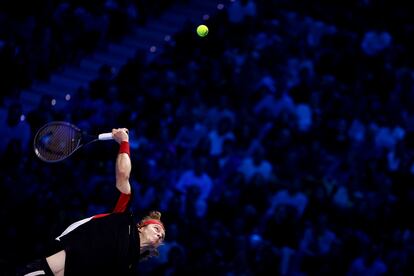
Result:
152,235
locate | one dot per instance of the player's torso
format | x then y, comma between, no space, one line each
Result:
100,246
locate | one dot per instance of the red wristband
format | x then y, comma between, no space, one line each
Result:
124,147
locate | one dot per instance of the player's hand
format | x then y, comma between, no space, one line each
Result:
120,134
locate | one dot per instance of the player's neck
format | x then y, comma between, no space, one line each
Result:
143,243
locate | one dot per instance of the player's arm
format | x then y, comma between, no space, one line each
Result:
123,161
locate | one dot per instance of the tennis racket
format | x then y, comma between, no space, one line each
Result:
58,140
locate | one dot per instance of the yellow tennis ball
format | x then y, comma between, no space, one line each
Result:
202,30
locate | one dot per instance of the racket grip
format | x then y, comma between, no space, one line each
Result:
105,136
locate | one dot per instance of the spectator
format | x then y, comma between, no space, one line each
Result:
15,129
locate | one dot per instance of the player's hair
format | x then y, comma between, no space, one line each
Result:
153,215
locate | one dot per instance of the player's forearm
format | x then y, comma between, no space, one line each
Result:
123,166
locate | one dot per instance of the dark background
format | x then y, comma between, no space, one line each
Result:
282,142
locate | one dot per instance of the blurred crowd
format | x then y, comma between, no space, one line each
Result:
43,35
282,142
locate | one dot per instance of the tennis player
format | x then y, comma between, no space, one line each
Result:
105,244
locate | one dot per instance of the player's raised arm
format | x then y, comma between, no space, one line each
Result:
123,162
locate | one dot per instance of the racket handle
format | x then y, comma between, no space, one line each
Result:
105,136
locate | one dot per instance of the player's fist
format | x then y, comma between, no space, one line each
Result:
120,134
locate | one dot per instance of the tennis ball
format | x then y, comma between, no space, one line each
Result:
202,30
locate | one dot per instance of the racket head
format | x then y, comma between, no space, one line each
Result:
56,141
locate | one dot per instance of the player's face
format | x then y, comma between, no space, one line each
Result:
154,233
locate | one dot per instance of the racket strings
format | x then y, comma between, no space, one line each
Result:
55,142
